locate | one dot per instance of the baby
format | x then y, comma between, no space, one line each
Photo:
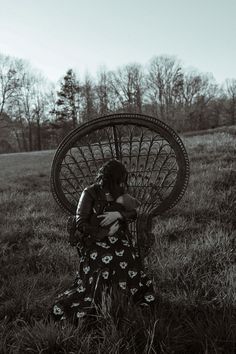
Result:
124,202
128,201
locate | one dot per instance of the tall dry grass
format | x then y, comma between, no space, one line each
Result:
192,264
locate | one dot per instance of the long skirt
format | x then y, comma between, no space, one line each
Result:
112,262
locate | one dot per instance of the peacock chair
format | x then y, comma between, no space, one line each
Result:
152,152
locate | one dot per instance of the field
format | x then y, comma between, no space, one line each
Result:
192,263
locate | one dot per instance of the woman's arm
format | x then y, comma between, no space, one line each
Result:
84,212
109,217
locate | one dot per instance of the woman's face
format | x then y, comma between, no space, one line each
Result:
123,185
122,188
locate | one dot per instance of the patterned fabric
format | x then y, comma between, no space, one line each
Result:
112,262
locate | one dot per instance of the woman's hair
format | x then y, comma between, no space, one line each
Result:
113,177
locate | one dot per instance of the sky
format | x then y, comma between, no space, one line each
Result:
85,35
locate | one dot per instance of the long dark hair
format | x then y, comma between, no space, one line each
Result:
112,176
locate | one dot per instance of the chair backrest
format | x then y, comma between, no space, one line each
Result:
152,152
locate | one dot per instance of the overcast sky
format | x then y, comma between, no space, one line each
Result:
55,35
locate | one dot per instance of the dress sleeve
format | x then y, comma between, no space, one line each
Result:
83,214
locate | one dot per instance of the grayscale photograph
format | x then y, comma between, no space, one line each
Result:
117,177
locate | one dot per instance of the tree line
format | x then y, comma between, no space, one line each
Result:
36,115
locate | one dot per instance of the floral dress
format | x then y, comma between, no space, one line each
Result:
111,262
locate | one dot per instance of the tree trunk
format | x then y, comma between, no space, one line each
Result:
24,142
38,131
18,140
30,136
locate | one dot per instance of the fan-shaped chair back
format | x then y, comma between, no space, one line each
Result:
153,154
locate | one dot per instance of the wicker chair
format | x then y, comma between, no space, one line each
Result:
152,152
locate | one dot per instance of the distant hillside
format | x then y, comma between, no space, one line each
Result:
231,129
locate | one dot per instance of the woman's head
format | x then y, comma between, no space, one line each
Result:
113,177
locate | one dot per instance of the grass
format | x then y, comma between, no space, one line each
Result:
192,264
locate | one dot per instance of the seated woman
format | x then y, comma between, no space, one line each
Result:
109,258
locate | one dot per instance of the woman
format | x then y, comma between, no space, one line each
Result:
108,259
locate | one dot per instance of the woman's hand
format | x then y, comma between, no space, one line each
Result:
114,228
109,217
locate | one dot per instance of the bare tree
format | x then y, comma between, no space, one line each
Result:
165,81
39,114
88,99
198,91
30,107
128,86
103,92
230,90
18,123
10,80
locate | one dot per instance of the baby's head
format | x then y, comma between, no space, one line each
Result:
128,201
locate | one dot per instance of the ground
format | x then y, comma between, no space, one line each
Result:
192,263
